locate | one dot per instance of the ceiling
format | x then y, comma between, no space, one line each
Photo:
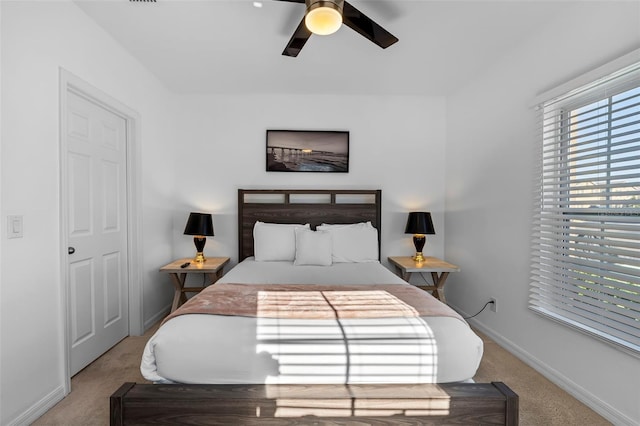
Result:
231,46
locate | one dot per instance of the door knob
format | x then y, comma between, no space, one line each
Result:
72,250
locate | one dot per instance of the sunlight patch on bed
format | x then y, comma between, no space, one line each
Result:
337,342
332,304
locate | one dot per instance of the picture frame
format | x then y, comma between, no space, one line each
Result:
309,151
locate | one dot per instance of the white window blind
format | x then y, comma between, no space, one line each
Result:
586,233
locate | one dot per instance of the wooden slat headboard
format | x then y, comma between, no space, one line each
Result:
313,206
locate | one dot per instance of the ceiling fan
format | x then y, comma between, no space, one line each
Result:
325,17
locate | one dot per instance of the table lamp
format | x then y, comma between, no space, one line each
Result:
200,225
419,224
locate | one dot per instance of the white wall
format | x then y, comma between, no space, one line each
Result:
489,176
396,144
38,38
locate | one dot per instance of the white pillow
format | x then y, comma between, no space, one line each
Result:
274,241
312,247
356,242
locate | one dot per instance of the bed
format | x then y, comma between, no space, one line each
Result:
322,349
323,316
238,347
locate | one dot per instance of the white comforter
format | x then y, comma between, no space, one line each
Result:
227,349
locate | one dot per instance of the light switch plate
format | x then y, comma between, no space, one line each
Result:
14,226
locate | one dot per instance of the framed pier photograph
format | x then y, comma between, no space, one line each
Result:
324,151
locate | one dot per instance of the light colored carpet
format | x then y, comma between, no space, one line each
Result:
541,402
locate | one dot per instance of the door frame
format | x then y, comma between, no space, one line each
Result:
71,83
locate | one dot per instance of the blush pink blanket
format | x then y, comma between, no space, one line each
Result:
314,301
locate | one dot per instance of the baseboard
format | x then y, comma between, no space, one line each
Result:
157,317
596,404
39,408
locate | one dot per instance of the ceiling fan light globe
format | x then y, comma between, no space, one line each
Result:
323,20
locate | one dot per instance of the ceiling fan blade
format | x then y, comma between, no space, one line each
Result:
363,25
298,40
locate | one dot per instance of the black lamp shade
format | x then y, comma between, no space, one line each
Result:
419,223
199,224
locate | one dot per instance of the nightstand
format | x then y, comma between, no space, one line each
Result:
439,269
213,267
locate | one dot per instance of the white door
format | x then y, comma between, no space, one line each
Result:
97,224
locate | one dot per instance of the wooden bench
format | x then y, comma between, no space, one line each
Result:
406,404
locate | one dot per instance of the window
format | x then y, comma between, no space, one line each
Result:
586,234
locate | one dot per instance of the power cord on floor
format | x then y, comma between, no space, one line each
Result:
472,316
483,308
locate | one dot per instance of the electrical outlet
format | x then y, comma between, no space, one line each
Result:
493,304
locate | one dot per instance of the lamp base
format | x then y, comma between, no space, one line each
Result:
418,257
418,242
199,241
